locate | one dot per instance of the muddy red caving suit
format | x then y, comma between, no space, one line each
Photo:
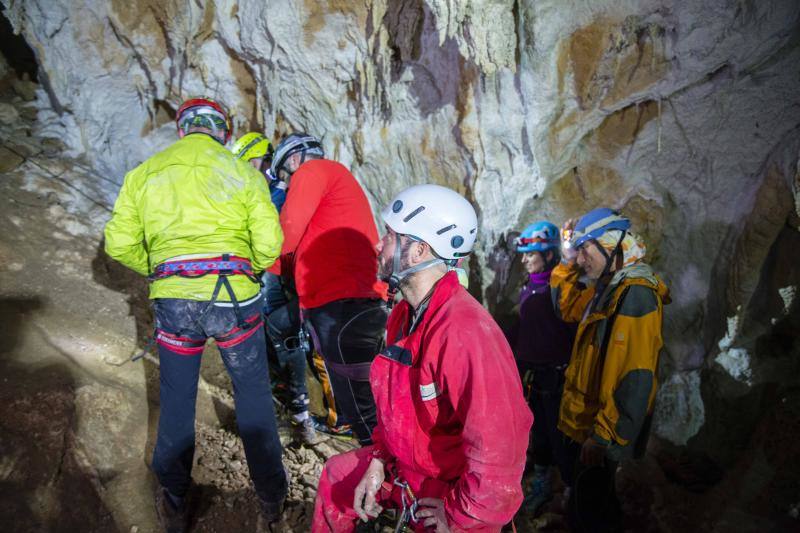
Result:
452,418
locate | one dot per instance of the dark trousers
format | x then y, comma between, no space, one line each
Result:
348,334
283,327
593,505
182,327
543,386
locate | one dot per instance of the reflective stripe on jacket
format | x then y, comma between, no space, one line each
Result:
451,412
610,385
194,198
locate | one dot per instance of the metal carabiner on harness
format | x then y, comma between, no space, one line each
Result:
408,513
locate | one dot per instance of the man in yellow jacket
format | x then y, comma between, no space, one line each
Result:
610,383
200,224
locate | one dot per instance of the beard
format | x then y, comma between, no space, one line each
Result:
386,262
384,268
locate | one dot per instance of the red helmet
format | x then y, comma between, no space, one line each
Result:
204,112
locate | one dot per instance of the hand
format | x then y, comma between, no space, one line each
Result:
431,513
592,452
364,502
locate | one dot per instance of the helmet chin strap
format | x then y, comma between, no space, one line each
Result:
610,258
397,276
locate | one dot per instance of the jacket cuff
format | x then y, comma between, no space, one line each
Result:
380,453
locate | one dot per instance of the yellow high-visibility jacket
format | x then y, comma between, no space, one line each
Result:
194,198
610,383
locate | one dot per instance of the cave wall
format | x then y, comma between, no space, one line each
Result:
685,115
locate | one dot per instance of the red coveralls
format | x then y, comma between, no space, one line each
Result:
452,419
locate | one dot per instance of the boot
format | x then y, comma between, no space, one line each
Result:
541,490
303,431
272,511
343,431
171,511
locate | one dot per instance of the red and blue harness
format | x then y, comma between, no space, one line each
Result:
222,266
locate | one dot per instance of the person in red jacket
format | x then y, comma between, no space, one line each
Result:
329,248
452,433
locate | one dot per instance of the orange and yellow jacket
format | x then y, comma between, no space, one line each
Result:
610,383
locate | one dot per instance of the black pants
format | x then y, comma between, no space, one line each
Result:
593,505
543,387
283,327
182,329
348,334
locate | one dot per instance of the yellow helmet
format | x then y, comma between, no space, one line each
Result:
252,145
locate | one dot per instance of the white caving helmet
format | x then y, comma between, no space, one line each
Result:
436,215
294,143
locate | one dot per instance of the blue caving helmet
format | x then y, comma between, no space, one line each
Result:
595,223
538,237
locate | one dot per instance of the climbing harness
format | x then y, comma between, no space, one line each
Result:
222,266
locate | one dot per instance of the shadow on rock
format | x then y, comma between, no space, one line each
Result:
113,275
45,482
13,314
109,273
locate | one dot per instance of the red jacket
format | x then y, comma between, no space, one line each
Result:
329,236
451,413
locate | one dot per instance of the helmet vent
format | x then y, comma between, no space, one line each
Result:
414,213
397,206
445,229
457,241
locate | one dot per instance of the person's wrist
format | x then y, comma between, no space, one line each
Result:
380,455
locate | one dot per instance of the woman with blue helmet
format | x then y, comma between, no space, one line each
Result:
542,343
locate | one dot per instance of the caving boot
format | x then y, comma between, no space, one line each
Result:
171,511
344,431
304,432
541,490
272,510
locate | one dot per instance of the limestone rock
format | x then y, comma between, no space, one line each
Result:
8,113
25,88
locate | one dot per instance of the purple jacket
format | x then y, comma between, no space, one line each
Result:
540,337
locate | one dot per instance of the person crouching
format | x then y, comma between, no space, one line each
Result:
452,423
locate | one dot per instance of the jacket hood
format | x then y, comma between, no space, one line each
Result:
642,271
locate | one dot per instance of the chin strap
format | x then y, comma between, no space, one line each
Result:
602,281
610,258
397,276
